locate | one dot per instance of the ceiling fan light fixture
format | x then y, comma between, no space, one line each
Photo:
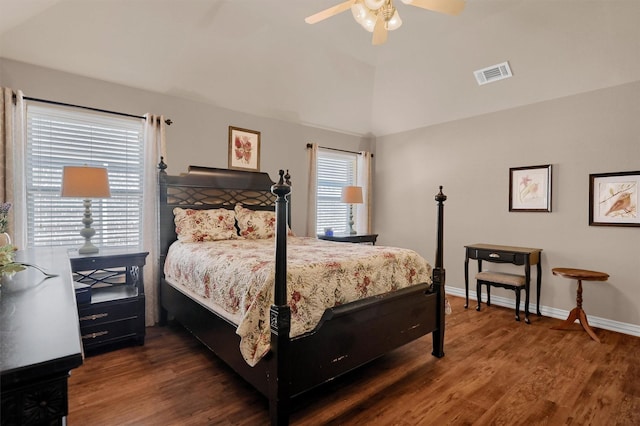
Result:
370,22
374,4
364,16
359,12
395,22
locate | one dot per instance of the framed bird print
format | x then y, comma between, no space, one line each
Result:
244,149
613,199
530,189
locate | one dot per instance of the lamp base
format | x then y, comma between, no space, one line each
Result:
88,248
351,222
87,232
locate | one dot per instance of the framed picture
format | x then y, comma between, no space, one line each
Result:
613,199
244,149
530,189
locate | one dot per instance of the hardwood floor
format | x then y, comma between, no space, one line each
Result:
495,371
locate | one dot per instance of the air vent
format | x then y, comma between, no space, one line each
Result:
493,73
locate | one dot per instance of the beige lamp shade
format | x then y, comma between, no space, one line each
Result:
351,194
85,182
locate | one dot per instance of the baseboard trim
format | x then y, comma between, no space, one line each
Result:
607,324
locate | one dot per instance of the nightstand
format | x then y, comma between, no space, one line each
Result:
348,238
114,312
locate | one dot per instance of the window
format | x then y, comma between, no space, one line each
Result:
335,170
64,136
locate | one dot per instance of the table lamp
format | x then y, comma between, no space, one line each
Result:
351,195
86,183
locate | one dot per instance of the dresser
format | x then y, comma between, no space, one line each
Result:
40,340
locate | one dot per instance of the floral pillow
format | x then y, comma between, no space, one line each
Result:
204,225
256,224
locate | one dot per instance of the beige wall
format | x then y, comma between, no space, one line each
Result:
199,133
590,133
595,132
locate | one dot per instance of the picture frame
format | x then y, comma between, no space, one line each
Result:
613,199
244,149
530,189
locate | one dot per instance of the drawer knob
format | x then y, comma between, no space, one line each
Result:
494,255
94,335
94,317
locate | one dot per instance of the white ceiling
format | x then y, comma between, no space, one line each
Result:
260,57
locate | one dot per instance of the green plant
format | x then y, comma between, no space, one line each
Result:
7,264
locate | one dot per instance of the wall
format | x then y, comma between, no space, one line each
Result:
590,133
595,132
199,133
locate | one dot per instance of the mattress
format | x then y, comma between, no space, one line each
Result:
235,278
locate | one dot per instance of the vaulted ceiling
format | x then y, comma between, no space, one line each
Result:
260,57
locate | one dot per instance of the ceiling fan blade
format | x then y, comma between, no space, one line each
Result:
328,13
450,7
379,31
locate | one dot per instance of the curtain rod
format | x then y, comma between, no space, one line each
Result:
167,121
335,149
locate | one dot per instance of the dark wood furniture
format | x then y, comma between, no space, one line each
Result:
578,313
40,340
115,312
505,254
348,238
348,336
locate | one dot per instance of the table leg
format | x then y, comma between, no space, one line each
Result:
527,280
466,281
539,284
578,313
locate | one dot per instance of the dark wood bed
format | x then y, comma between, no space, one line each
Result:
342,339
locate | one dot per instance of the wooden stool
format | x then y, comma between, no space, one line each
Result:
578,313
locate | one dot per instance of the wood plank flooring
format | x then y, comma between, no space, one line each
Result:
496,371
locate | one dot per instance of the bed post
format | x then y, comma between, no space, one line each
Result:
439,279
279,374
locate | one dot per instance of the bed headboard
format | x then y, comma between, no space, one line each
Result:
210,188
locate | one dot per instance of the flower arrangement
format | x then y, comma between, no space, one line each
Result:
4,216
7,264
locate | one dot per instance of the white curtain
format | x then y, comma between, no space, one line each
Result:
364,179
154,147
12,172
312,189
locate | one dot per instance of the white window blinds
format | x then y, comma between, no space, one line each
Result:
64,136
335,170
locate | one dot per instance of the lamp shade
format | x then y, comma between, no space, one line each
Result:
351,194
85,182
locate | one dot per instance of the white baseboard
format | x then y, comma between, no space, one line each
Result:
607,324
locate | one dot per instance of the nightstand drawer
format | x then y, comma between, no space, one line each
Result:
97,334
101,313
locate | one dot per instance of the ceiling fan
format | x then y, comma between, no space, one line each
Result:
381,16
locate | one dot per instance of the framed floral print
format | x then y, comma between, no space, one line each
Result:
613,199
244,149
530,189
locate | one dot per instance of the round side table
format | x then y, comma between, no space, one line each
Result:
578,313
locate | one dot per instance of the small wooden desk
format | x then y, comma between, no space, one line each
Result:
506,254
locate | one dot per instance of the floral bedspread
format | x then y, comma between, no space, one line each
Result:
237,276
